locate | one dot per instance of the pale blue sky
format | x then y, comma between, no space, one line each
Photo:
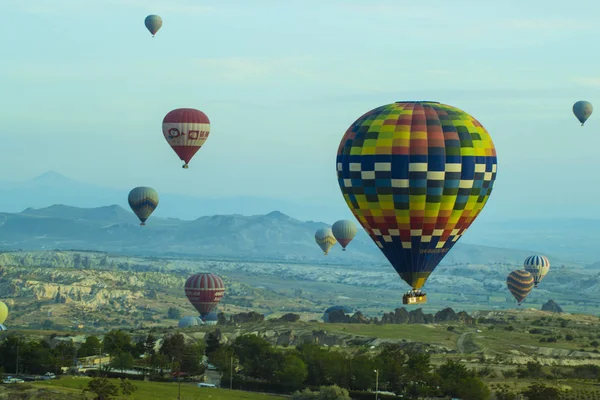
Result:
84,88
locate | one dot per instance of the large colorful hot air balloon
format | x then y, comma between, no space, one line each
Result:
538,266
143,201
325,239
344,231
153,23
582,110
186,130
3,312
416,174
204,291
520,283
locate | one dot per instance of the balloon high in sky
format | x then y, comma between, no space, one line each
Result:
153,23
186,130
416,174
204,291
582,110
143,201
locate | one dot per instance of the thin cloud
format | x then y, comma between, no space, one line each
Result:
395,10
545,24
589,81
61,7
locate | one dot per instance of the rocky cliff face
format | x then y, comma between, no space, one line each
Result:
551,306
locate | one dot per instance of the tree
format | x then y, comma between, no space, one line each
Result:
62,355
102,388
473,389
325,367
173,313
190,360
293,371
212,342
89,347
173,347
48,324
116,342
537,391
149,344
127,388
503,392
257,357
333,392
221,359
122,361
362,375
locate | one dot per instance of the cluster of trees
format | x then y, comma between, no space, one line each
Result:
255,361
39,356
539,391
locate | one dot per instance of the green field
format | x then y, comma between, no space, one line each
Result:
157,391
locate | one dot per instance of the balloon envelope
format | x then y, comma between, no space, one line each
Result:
520,283
204,291
538,266
153,23
344,231
582,110
186,130
416,175
143,201
3,312
325,239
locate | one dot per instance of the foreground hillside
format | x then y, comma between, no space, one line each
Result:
102,291
274,237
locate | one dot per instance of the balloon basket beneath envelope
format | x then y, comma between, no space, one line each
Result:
413,298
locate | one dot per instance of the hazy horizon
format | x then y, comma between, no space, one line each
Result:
281,82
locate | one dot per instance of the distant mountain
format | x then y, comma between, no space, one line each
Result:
272,236
53,188
573,240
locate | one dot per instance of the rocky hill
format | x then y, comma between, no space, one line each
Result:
104,290
274,236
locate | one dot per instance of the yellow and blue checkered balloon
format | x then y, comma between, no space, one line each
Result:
416,174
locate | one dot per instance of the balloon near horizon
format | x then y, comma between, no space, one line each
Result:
325,239
143,201
519,283
416,174
204,291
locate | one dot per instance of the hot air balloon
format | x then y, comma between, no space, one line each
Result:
186,130
325,239
153,23
538,266
3,312
582,110
344,231
204,291
143,201
520,283
416,174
